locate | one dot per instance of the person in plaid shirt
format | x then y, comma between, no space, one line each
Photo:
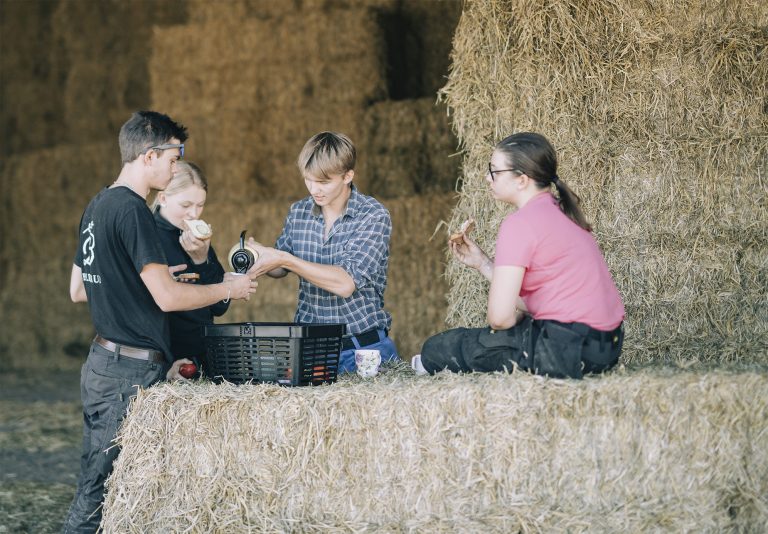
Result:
336,241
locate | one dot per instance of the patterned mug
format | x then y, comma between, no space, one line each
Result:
368,362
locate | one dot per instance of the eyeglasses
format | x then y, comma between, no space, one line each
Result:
180,146
492,172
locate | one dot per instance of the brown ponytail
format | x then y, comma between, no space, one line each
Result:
532,154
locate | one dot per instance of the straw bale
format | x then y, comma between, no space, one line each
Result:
654,449
288,62
275,11
658,114
46,191
89,30
253,100
409,144
111,92
26,37
231,12
253,82
251,153
85,34
34,104
27,88
416,287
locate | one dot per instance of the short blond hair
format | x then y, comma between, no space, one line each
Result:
326,154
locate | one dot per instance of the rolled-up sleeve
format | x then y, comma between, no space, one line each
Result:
367,253
284,242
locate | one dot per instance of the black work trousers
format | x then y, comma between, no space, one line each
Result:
107,383
543,347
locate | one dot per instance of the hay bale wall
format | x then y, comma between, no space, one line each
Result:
670,451
659,114
73,70
252,82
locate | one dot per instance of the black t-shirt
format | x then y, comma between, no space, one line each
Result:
186,326
118,237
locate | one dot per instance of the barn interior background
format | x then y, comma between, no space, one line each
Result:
660,113
252,80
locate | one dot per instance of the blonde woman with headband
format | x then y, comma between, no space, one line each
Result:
175,209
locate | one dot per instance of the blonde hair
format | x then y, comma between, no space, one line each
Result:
187,174
325,154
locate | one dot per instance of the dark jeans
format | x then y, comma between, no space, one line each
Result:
551,348
107,384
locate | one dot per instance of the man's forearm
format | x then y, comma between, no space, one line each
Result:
277,273
329,277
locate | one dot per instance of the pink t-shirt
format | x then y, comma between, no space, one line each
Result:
566,278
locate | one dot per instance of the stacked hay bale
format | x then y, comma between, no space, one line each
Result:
250,92
29,87
658,111
408,149
44,192
676,451
72,74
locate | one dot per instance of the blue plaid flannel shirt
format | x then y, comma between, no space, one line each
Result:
358,243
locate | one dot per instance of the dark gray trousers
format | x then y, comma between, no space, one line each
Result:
552,348
107,383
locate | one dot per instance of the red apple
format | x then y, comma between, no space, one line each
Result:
188,370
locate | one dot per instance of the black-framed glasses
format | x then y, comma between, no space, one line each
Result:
492,172
166,146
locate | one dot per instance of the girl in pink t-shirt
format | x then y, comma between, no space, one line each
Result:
553,307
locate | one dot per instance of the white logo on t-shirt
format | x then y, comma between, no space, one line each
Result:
88,245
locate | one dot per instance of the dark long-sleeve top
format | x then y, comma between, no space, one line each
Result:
186,326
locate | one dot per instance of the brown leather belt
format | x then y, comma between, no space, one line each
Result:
130,352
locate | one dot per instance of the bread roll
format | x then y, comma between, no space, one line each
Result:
466,227
199,228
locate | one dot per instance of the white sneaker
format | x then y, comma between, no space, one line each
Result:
416,365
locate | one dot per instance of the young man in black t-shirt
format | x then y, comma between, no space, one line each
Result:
121,271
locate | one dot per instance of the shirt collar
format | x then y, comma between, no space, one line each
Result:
353,204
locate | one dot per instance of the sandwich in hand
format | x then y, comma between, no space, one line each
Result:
199,228
466,227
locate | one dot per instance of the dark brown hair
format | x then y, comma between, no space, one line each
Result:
532,154
145,129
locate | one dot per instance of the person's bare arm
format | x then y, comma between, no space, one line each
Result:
277,263
173,296
504,297
76,286
329,277
277,273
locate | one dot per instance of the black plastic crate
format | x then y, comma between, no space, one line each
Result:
284,353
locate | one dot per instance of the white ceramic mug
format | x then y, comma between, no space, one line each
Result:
368,362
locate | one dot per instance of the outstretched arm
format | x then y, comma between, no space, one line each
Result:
277,263
174,296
